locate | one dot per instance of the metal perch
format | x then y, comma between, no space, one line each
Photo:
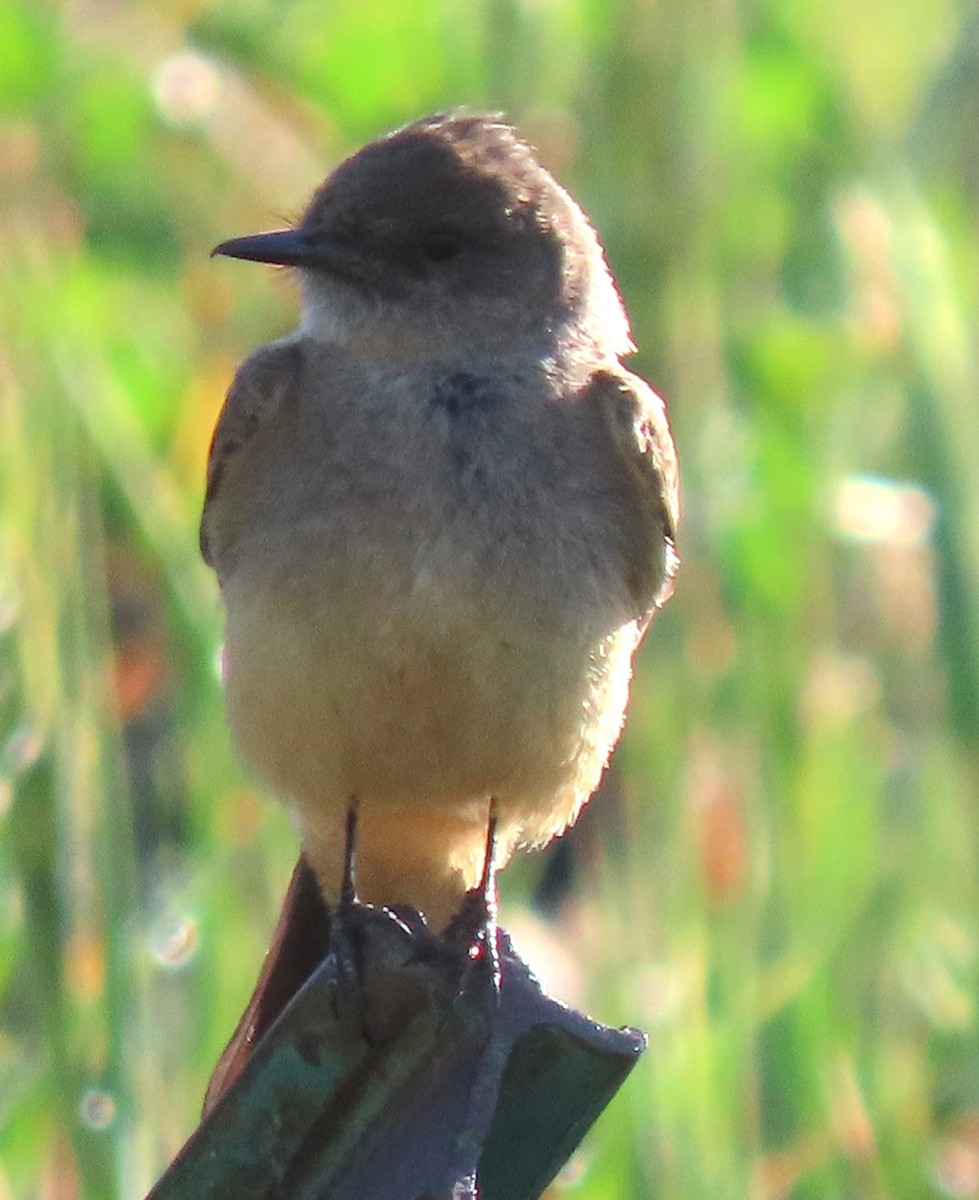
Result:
430,1085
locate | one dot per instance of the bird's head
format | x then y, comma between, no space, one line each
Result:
448,234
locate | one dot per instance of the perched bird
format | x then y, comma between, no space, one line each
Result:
441,513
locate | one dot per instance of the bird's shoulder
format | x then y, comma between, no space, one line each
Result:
635,431
261,386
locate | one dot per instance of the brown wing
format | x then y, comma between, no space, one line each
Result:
645,468
258,389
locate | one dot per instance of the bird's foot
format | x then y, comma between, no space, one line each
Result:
474,930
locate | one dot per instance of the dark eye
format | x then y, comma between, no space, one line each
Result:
440,245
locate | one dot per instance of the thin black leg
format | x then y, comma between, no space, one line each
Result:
348,884
474,927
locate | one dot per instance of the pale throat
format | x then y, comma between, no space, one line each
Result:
340,315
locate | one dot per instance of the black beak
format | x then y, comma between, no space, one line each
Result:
292,248
288,247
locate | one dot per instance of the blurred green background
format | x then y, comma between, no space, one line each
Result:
781,882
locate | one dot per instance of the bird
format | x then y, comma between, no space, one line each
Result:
442,515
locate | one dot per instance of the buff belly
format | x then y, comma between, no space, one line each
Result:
421,705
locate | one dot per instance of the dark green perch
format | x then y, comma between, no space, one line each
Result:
426,1081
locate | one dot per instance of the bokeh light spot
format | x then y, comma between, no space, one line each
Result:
869,509
186,88
97,1109
173,941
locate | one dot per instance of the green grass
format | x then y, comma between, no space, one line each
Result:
783,887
